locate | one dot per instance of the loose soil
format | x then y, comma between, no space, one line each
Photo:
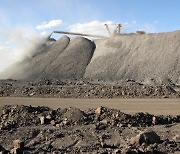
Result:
100,130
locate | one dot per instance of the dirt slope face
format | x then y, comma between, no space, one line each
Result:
71,64
32,68
64,59
148,58
144,58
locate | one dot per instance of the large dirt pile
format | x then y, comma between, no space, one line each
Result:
144,58
148,58
32,68
64,59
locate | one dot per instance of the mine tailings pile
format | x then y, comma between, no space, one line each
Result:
144,58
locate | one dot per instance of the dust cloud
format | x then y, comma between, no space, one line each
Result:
18,44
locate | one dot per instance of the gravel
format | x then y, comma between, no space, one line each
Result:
71,64
65,59
147,58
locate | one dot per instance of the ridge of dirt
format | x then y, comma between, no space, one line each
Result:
100,130
149,58
85,89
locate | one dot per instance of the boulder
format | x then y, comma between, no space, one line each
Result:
147,137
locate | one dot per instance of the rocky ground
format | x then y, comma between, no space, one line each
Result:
86,89
27,129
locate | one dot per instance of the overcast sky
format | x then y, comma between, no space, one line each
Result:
22,20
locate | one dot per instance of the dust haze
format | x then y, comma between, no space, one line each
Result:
18,44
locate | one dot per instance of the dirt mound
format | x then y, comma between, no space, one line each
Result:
147,58
144,58
71,64
63,59
18,115
32,68
101,130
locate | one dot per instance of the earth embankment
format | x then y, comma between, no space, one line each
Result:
148,58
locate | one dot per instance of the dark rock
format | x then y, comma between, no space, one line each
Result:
148,137
3,150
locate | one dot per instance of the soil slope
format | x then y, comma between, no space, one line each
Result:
143,58
64,59
148,58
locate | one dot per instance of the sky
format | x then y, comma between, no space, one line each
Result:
24,23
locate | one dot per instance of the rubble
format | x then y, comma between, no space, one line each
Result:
71,130
85,89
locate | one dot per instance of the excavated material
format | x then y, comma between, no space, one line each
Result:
71,64
147,58
143,58
71,130
33,68
64,59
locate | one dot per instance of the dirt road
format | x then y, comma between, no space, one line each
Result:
154,106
